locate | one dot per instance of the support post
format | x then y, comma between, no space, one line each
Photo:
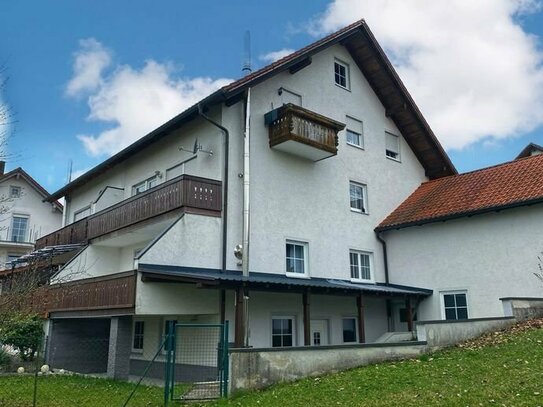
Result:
222,305
120,334
307,319
360,315
239,335
409,314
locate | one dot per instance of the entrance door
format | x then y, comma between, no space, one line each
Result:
319,332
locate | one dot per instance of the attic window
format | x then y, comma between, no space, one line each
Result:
14,191
392,146
341,74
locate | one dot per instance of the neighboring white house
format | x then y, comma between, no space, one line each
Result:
24,216
259,205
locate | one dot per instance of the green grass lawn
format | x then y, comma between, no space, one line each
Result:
503,369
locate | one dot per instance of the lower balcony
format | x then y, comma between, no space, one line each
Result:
301,132
186,191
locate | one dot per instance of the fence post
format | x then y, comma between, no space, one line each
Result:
168,370
226,359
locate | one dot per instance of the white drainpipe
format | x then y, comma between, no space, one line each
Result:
246,184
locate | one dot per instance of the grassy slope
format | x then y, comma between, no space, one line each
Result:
499,369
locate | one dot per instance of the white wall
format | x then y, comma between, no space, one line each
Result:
491,256
93,261
309,201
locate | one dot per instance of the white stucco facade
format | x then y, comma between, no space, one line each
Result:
487,256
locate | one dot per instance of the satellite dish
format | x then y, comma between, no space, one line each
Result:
196,146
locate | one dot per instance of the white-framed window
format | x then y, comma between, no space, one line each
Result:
341,74
144,185
14,191
19,228
354,132
82,213
139,334
349,330
296,258
283,329
392,146
361,265
358,196
454,305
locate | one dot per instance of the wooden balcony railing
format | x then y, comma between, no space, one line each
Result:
109,292
294,123
183,191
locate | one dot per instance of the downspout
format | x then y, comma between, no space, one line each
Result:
246,210
387,280
224,205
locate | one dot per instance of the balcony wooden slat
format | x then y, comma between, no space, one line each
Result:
183,191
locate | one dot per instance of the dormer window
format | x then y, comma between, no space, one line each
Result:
341,74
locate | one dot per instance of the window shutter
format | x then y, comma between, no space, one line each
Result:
392,142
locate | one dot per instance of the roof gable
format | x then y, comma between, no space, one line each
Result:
20,173
372,61
512,184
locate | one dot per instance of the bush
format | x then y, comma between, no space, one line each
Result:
5,358
24,333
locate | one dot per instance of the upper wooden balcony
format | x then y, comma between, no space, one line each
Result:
301,132
184,191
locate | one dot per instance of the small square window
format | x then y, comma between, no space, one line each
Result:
14,191
341,74
455,305
296,258
282,332
361,265
392,146
358,197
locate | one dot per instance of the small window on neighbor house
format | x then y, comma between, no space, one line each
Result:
358,197
144,185
392,146
455,305
282,331
355,135
14,191
360,265
349,330
341,74
19,226
139,330
296,257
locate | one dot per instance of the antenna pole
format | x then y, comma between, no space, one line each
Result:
247,69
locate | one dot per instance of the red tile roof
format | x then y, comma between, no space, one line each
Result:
515,183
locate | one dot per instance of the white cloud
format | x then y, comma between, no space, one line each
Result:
90,61
275,55
137,101
473,70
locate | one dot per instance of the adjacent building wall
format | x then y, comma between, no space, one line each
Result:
490,256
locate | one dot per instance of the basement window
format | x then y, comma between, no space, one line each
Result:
455,305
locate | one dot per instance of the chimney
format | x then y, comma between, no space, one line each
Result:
2,167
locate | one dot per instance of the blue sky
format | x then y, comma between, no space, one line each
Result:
178,51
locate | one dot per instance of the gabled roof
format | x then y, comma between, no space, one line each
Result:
512,184
371,60
529,150
19,172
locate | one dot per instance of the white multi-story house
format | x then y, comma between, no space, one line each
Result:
261,205
24,216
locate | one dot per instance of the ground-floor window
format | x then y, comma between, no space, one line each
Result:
455,305
282,331
349,330
139,329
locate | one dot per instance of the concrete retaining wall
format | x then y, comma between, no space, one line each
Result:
258,368
522,307
445,333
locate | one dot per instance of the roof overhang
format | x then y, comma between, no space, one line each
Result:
214,278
